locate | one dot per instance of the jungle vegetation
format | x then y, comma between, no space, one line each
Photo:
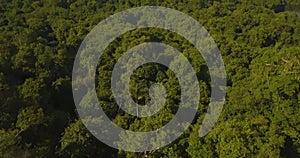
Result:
259,42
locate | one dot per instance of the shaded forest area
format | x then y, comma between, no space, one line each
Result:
259,42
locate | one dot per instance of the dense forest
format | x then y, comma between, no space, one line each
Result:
259,42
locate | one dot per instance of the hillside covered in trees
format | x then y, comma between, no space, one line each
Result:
259,42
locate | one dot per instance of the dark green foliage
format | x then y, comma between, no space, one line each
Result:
259,42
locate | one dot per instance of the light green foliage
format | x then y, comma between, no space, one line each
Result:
76,133
259,43
29,116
